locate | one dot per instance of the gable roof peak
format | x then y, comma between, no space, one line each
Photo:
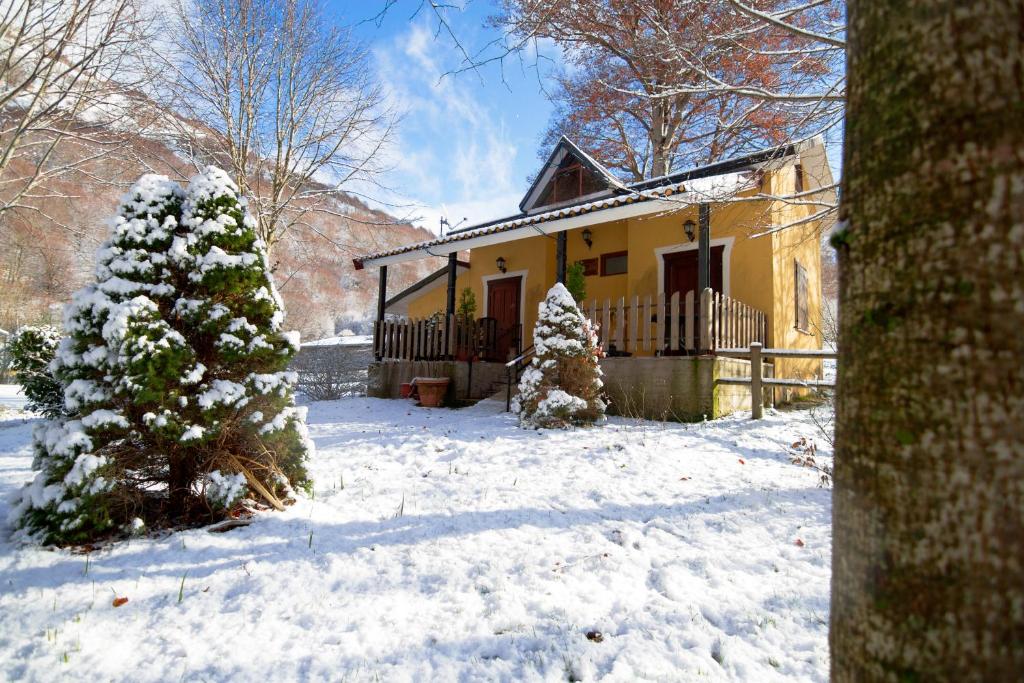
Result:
566,147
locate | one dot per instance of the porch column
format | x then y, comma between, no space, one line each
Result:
560,258
704,249
382,295
453,260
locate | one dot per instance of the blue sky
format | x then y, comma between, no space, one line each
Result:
467,142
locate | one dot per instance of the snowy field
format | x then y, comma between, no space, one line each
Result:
11,398
450,545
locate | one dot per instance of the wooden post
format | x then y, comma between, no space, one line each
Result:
382,293
659,324
560,257
634,319
704,248
453,262
756,397
647,323
688,339
673,317
606,323
620,325
705,320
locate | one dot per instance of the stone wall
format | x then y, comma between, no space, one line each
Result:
676,388
385,378
680,389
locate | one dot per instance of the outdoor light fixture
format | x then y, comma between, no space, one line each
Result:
501,263
689,226
588,237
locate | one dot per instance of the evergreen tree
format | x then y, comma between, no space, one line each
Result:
562,385
173,374
32,350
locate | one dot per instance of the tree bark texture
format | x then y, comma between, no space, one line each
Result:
928,519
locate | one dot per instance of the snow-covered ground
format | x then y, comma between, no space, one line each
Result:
11,397
344,340
450,545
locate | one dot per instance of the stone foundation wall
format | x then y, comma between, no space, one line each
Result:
676,388
680,389
384,378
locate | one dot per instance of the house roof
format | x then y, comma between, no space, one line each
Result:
421,285
703,183
564,147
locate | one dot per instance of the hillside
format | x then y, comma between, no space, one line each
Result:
47,252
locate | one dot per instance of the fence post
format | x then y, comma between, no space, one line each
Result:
756,397
705,321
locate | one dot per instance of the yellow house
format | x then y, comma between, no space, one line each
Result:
674,268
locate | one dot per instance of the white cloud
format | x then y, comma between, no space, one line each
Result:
454,155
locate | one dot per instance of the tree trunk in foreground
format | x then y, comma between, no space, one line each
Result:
928,523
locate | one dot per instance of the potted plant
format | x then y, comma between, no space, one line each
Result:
431,390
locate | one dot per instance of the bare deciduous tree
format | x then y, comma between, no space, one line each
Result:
662,114
282,97
65,74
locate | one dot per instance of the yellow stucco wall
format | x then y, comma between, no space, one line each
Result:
759,271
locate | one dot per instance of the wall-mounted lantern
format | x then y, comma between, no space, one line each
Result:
500,263
690,227
588,237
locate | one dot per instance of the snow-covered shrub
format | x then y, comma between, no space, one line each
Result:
32,350
562,385
224,490
174,366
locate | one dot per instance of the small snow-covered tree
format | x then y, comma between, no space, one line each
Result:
173,372
32,350
562,385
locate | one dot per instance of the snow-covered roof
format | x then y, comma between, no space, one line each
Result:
713,182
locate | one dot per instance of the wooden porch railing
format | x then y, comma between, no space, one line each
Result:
435,338
676,325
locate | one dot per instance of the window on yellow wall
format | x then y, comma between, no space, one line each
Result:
803,319
614,263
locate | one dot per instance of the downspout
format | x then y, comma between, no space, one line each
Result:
382,293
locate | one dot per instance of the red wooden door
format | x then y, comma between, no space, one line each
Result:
681,276
503,305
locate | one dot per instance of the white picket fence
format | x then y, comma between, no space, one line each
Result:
677,324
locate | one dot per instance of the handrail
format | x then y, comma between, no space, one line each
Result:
524,354
512,369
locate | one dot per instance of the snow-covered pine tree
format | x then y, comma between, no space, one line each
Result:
562,385
173,370
32,349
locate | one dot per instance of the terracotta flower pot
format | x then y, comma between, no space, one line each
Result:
432,390
405,389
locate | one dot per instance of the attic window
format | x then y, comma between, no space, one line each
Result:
570,181
798,183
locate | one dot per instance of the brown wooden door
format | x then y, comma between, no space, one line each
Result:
503,305
681,272
681,276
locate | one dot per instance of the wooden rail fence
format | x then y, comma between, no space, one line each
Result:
756,353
